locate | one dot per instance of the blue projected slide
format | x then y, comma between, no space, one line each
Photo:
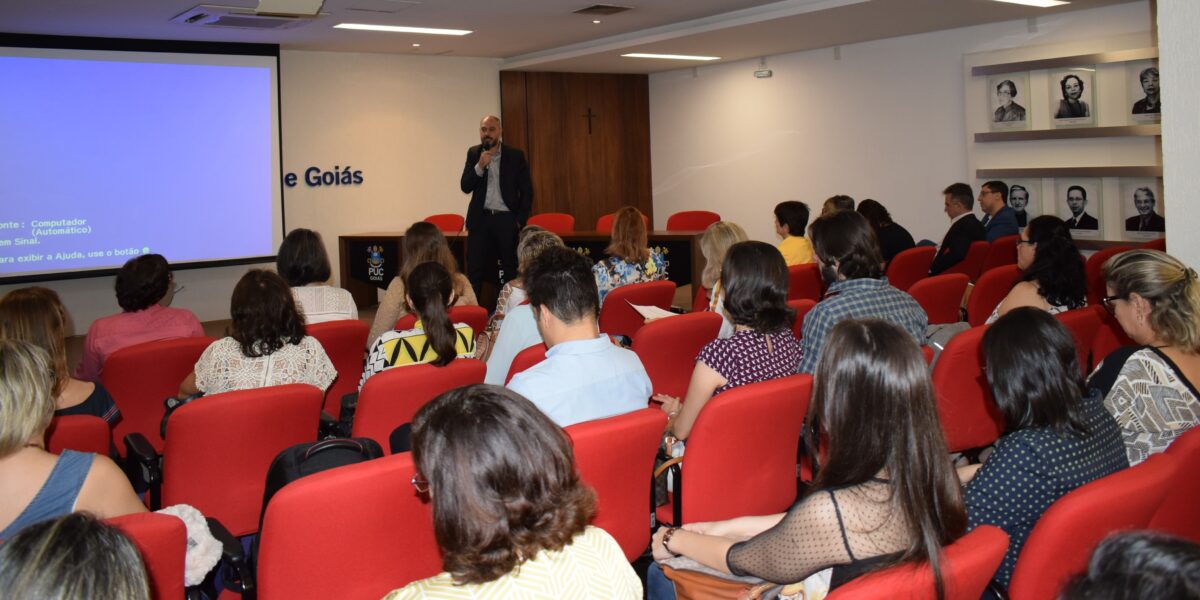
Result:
108,155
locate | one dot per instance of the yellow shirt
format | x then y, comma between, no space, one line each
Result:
796,250
592,566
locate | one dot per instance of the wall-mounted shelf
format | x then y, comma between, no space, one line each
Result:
1146,171
1059,62
1102,244
1070,133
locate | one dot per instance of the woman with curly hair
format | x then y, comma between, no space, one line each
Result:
630,258
1052,276
266,344
509,511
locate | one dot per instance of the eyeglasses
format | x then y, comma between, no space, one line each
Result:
421,485
1025,243
1107,301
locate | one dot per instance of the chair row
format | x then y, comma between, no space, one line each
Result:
560,223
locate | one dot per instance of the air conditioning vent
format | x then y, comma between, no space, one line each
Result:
602,9
207,15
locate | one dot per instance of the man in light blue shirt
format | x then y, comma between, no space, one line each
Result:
585,376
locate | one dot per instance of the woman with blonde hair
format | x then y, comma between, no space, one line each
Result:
423,242
75,556
1151,388
530,242
630,259
36,315
714,243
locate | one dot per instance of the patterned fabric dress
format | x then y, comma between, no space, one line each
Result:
612,272
747,357
1151,400
223,368
411,347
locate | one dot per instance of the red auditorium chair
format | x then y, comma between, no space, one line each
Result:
343,342
801,307
474,316
1109,337
560,223
447,222
989,291
1002,251
668,349
910,266
692,220
804,282
741,454
1177,515
525,359
972,265
162,542
700,302
392,397
81,433
605,223
1094,272
1063,539
618,318
1159,244
358,531
609,454
966,409
141,376
940,296
1083,323
218,449
967,568
927,353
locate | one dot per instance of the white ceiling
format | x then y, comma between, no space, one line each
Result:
542,34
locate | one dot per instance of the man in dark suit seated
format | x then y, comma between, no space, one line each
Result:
1146,219
999,219
1077,202
964,228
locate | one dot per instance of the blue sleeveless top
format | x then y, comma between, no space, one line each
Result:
58,494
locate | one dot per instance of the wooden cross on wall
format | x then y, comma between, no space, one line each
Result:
589,116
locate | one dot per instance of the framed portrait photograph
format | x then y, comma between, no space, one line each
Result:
1073,97
1144,92
1007,98
1142,207
1025,198
1079,201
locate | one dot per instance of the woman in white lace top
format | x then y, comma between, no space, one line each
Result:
304,265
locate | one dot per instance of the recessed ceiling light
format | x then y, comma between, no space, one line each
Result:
670,56
416,45
400,29
1037,3
596,21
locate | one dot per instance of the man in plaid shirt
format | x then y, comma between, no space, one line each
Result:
847,251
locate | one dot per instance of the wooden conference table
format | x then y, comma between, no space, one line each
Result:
369,261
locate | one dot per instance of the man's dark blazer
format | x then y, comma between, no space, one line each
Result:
1157,223
1085,221
515,185
957,242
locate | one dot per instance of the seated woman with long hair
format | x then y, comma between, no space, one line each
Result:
630,258
893,239
1151,388
37,316
1052,276
885,494
1056,439
39,485
754,284
433,339
714,243
304,265
266,344
423,242
509,510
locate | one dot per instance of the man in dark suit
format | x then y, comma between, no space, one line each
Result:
1077,202
1146,219
999,219
964,228
497,177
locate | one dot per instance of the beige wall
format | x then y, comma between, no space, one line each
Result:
1178,21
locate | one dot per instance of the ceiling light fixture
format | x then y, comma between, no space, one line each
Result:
416,45
1037,3
596,21
670,56
400,29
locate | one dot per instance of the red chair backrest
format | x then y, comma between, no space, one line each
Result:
741,454
1177,515
700,302
392,397
343,342
81,433
804,282
447,222
801,307
1109,337
967,567
219,447
940,296
474,316
966,409
1002,251
162,542
1093,271
692,220
1063,539
559,223
525,359
1083,323
972,264
927,353
140,377
610,454
668,349
605,223
989,291
1159,244
358,531
910,266
618,318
